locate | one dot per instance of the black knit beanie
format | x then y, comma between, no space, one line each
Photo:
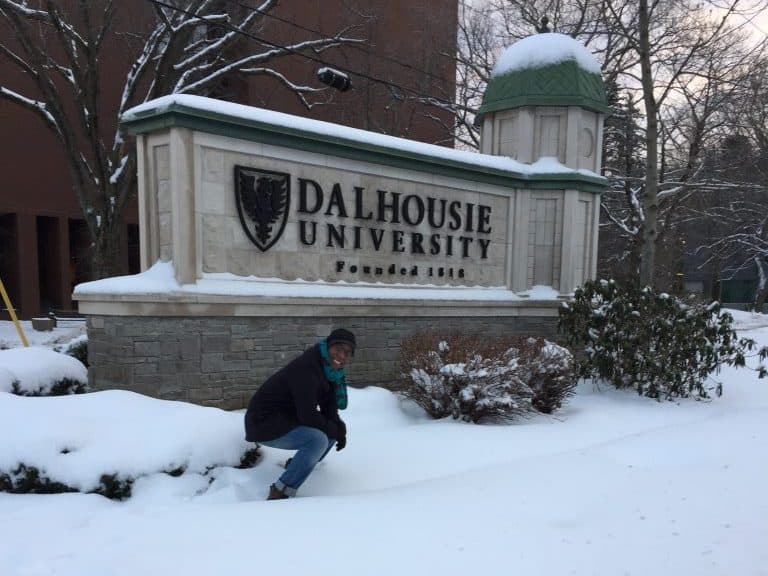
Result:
342,335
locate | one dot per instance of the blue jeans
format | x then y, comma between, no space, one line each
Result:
312,445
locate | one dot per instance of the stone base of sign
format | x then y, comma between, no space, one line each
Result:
221,360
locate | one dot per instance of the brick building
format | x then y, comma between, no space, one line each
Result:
44,243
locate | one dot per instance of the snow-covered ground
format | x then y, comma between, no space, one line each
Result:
612,485
66,331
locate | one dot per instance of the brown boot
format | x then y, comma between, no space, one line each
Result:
276,494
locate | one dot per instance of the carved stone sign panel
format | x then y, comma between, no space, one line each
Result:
298,221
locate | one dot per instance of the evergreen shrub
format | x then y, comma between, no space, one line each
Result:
29,480
661,346
474,378
26,479
62,387
79,350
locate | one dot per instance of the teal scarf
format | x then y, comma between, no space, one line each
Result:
335,376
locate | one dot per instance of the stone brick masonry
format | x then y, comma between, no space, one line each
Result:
220,361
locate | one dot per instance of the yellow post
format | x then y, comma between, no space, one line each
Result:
12,312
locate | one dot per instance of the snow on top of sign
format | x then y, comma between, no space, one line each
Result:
291,122
159,279
541,50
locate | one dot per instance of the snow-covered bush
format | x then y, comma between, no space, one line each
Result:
103,442
26,479
661,346
473,378
37,371
550,371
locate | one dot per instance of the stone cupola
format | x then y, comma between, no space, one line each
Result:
545,98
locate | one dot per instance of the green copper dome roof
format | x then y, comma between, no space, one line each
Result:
545,70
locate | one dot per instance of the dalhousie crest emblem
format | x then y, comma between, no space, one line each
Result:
263,198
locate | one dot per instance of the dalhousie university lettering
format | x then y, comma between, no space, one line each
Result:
456,225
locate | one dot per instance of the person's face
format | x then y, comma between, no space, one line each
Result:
340,354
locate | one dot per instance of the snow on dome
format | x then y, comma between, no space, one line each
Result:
543,49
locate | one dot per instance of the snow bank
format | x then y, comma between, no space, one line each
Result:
76,439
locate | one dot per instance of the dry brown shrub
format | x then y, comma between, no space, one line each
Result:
506,377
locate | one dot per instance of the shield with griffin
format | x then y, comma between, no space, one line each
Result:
263,198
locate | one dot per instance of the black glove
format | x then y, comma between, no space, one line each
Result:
341,440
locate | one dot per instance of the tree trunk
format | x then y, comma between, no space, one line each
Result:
105,251
650,225
761,294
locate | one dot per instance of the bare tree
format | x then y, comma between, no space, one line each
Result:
733,215
742,243
477,44
681,51
191,47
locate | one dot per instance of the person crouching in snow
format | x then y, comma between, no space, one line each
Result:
297,408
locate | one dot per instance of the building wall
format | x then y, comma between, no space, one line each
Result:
407,54
42,246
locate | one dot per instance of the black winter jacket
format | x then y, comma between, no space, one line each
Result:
291,397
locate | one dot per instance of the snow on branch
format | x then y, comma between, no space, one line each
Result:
185,85
622,224
115,176
299,90
441,104
36,106
46,16
140,65
85,164
23,9
707,185
66,73
189,16
282,78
